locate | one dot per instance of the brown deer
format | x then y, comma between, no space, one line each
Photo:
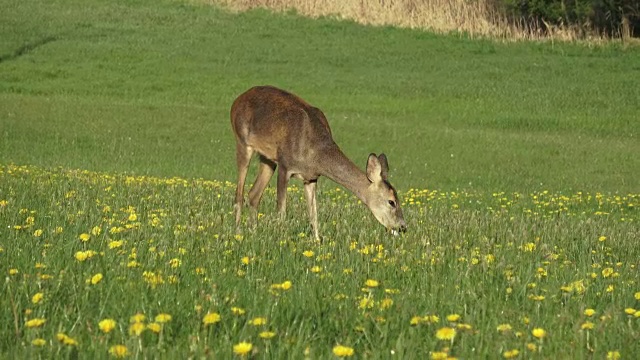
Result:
294,136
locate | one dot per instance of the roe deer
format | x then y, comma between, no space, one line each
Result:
294,136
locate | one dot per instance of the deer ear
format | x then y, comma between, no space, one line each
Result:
385,166
374,169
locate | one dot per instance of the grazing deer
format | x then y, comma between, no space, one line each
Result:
294,136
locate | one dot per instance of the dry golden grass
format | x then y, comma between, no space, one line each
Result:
475,18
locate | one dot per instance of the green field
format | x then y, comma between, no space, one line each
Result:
517,165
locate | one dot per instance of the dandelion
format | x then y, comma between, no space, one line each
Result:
286,285
38,342
453,317
637,295
446,333
258,321
366,303
242,348
511,354
386,303
613,355
342,351
136,328
13,271
35,322
589,312
245,260
137,318
211,318
539,333
119,351
587,325
439,355
175,263
81,256
37,233
37,298
114,244
503,328
602,238
415,320
96,231
66,340
316,269
267,334
371,283
163,318
606,272
155,327
237,311
107,325
95,279
308,253
629,311
84,237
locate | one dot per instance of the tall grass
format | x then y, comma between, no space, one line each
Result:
474,18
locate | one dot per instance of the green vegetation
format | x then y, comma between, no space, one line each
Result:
516,163
145,87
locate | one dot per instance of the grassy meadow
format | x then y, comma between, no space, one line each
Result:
517,165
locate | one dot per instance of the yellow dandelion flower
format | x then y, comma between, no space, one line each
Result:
415,320
589,312
267,334
84,237
439,355
242,348
532,347
308,253
371,283
245,260
95,279
463,327
211,318
155,327
175,263
96,231
606,272
504,328
114,244
316,269
587,325
446,333
366,303
602,238
453,317
107,325
66,340
37,298
237,311
37,233
119,351
13,271
35,322
136,328
613,355
637,295
133,217
386,303
163,318
81,256
629,311
258,321
511,354
286,285
342,351
539,333
38,342
137,318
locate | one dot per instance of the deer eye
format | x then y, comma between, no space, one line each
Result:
392,203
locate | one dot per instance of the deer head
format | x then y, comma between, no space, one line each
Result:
381,197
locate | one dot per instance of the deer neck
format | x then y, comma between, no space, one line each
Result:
336,166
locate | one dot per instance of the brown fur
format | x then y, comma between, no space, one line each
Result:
294,137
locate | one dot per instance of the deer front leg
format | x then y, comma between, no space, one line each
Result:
243,158
283,180
310,194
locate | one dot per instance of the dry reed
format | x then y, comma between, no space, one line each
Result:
476,18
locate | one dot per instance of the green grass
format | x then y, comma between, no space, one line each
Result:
145,87
512,161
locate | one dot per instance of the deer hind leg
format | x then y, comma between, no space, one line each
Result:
310,194
265,171
283,180
243,158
